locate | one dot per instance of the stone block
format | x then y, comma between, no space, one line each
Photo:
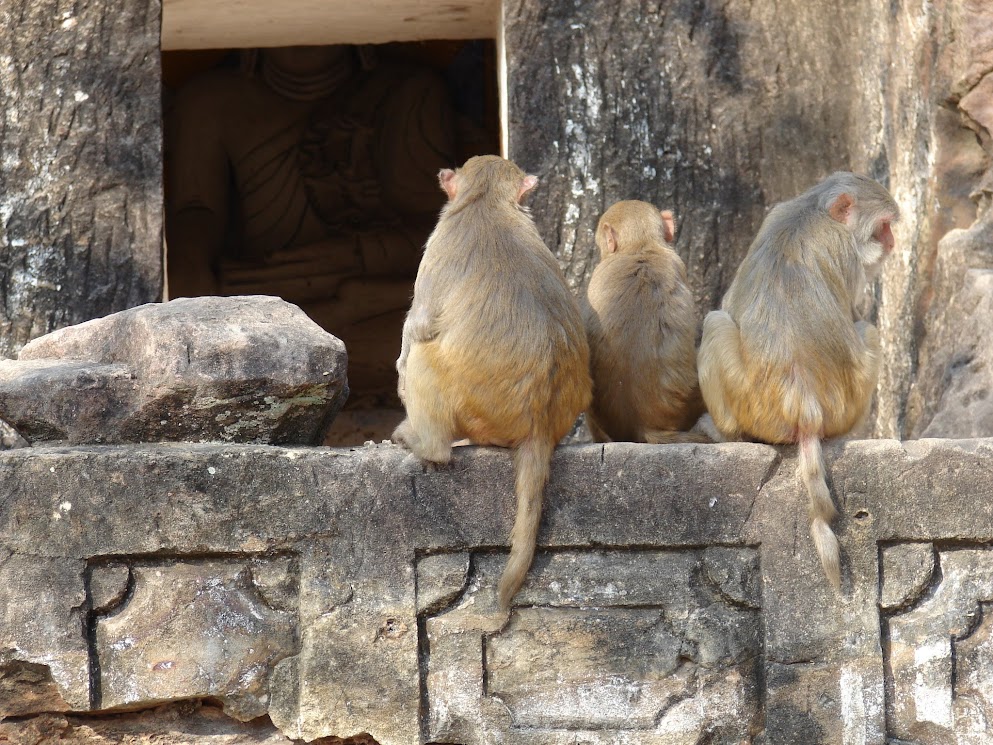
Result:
675,596
192,629
940,653
241,369
612,645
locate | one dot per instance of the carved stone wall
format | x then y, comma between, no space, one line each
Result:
675,598
937,645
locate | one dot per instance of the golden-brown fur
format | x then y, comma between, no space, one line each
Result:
641,324
493,347
787,359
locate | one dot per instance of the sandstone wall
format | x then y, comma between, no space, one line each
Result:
676,597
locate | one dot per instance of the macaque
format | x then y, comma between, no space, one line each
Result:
641,325
493,348
788,358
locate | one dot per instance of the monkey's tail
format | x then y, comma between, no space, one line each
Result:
822,510
532,461
668,437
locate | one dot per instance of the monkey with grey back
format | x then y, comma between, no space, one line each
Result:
788,358
493,348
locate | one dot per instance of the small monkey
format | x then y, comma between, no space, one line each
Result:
641,325
493,348
788,358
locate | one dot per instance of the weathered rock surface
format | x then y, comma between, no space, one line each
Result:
950,397
184,723
144,653
941,655
675,596
240,369
10,438
965,406
81,172
719,111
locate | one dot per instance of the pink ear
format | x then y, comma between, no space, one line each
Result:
446,177
611,236
670,225
841,209
527,185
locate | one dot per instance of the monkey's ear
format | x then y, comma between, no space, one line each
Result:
610,235
841,209
527,185
446,177
670,225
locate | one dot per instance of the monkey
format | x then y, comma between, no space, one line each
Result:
493,347
641,325
788,357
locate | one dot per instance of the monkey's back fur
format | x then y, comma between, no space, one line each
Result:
509,347
641,325
497,350
814,350
788,359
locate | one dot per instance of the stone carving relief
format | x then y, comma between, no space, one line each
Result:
311,173
176,629
937,626
43,654
600,647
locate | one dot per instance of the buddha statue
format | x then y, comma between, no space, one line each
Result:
310,173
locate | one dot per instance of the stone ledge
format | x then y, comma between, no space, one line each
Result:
345,591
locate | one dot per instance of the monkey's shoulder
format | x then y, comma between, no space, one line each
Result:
639,278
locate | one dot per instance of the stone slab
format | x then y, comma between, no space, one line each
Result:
675,594
233,369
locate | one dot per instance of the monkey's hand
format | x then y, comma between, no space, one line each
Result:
417,327
402,382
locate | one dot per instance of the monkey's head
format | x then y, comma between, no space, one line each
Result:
866,208
488,176
629,225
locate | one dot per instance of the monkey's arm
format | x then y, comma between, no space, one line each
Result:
419,326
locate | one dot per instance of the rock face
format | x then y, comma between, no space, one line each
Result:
675,597
81,173
719,111
143,647
951,393
963,396
242,369
183,723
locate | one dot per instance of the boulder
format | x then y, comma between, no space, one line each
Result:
235,369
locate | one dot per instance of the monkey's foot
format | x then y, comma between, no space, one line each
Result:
436,455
